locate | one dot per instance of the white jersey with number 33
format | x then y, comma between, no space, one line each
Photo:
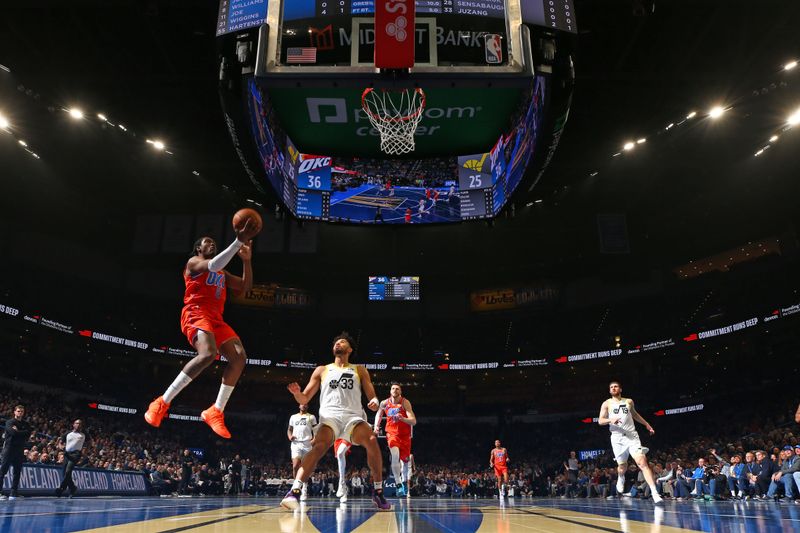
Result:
340,391
619,409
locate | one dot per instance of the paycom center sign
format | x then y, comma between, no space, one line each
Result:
454,121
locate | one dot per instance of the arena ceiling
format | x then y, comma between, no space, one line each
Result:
691,191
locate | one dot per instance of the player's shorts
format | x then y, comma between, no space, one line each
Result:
341,442
300,449
342,424
624,445
194,319
500,471
402,444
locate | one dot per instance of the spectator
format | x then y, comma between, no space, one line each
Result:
790,464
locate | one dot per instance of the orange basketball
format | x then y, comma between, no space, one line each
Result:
242,216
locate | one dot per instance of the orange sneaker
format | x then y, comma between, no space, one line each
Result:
216,420
156,412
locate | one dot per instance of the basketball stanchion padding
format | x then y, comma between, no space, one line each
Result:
395,33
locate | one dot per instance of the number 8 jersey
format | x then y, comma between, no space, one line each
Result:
340,391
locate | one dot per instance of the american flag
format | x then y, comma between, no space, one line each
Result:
301,55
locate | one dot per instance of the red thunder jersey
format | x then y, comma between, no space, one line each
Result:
499,455
206,290
397,428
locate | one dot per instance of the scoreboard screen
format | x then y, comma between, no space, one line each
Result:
556,14
237,15
386,288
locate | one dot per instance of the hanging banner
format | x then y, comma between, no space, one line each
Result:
273,297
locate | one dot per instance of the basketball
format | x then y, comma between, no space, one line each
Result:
241,217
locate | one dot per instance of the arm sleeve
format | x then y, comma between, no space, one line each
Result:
221,260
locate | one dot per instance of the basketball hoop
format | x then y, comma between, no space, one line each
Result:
395,113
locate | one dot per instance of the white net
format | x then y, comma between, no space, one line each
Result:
396,115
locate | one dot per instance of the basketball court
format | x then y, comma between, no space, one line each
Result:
147,515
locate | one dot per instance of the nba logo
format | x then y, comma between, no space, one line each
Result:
493,48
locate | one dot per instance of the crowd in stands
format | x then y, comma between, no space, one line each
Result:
763,464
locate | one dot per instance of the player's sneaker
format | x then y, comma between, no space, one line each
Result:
401,490
156,412
620,485
380,501
292,500
343,498
657,499
216,421
304,493
341,491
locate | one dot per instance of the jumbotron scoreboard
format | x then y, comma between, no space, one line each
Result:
235,15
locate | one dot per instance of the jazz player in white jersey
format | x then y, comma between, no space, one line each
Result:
300,433
618,414
341,416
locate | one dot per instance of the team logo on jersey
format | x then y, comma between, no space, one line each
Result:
622,408
344,382
216,279
301,422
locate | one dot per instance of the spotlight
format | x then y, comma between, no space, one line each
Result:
790,65
794,118
628,146
102,117
158,145
670,126
716,112
691,115
4,123
641,141
23,143
773,138
123,128
76,113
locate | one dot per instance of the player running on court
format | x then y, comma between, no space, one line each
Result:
341,416
201,321
300,434
498,459
400,418
618,414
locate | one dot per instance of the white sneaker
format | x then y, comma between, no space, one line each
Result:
620,487
343,498
341,491
303,494
628,495
12,497
657,499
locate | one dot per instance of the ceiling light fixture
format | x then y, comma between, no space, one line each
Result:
716,111
628,146
76,113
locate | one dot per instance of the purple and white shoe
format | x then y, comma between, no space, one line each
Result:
380,501
292,500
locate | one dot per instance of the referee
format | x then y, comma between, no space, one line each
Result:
16,435
73,445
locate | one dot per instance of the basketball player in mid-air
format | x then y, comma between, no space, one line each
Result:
400,418
201,321
498,459
341,416
300,433
618,414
